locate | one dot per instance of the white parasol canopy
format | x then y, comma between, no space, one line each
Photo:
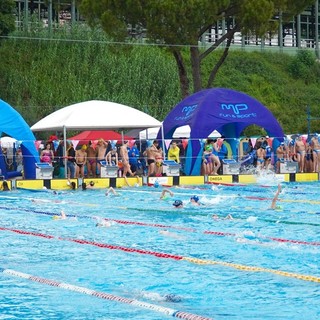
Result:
96,115
7,142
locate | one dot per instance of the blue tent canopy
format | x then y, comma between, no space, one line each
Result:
225,110
12,124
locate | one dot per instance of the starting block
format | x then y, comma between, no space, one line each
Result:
230,166
171,168
108,171
44,170
288,167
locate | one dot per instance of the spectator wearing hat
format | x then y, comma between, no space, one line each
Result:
282,155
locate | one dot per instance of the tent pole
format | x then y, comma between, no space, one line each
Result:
122,136
65,151
163,142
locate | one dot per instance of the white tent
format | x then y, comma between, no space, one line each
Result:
181,132
7,142
95,115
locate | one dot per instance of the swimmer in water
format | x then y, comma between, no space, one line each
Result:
104,224
86,186
227,217
171,234
194,200
158,297
62,216
111,190
178,204
163,194
275,199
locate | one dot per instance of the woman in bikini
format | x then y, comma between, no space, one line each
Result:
47,154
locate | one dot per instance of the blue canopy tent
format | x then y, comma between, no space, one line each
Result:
225,110
12,124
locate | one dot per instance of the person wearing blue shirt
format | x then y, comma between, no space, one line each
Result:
134,156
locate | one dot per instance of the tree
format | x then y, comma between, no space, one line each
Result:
177,24
7,18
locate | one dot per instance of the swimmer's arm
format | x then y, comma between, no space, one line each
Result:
163,193
111,190
276,196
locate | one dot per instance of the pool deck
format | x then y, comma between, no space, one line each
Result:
60,184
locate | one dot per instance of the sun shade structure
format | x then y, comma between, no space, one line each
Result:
12,124
225,110
86,136
96,115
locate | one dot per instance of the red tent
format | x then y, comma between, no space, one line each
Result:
86,136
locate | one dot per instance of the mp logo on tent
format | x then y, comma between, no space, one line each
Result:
235,107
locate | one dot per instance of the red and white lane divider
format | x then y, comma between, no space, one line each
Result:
106,296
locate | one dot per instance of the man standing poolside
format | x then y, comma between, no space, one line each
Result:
300,151
125,159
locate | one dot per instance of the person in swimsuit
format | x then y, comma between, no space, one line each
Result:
151,154
101,152
315,152
81,160
309,158
91,160
47,154
281,156
207,164
125,159
300,151
112,157
261,155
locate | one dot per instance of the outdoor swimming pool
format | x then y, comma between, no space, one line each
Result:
153,261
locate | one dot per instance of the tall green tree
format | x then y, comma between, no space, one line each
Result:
7,19
177,24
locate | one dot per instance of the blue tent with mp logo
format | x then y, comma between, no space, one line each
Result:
225,110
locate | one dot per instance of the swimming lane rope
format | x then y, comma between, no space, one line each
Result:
169,255
126,222
106,296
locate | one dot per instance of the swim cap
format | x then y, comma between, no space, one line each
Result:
177,203
91,183
172,298
84,147
195,198
156,184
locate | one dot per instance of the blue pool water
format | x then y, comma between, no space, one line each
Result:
218,268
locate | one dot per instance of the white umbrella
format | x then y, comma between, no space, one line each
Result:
7,142
96,115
